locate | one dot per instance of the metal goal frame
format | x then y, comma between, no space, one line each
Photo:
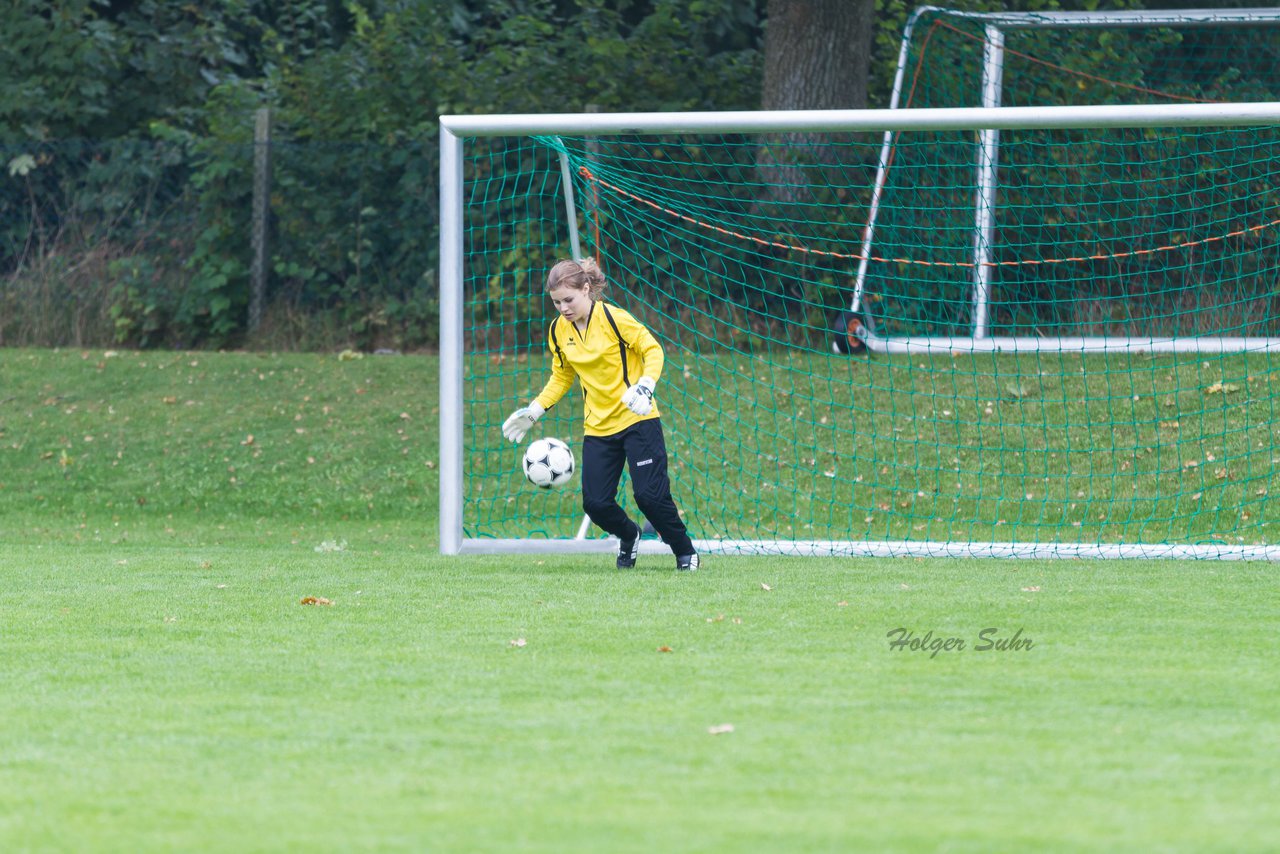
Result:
996,25
455,130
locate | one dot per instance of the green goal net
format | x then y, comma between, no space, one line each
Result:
829,394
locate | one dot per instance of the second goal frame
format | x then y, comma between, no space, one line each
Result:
995,26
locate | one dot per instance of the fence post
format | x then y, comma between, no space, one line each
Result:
261,214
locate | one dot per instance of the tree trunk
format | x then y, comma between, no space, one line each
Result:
817,54
816,57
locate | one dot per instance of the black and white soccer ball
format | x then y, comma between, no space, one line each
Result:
548,463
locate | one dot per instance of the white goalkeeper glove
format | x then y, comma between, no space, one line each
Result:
519,422
639,398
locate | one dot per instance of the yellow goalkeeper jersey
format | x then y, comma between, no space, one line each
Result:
615,351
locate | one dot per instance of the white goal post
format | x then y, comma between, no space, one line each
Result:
456,130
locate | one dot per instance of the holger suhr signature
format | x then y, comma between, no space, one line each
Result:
988,640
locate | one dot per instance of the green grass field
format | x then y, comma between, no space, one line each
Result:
164,516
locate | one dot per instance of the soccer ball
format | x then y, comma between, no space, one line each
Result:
548,463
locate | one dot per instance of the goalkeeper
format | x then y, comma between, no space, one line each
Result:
619,363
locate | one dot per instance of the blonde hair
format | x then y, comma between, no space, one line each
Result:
582,275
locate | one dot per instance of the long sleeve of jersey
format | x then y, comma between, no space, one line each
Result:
641,341
562,376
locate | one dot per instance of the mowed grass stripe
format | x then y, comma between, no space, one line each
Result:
159,697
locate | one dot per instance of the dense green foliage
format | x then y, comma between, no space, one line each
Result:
142,235
126,141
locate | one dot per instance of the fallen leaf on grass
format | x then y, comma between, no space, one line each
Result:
1222,388
1017,390
720,729
316,600
665,649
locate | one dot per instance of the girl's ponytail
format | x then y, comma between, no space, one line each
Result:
583,274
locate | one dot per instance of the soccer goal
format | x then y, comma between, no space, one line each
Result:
736,236
951,58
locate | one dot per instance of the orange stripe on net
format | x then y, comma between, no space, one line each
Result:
854,256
